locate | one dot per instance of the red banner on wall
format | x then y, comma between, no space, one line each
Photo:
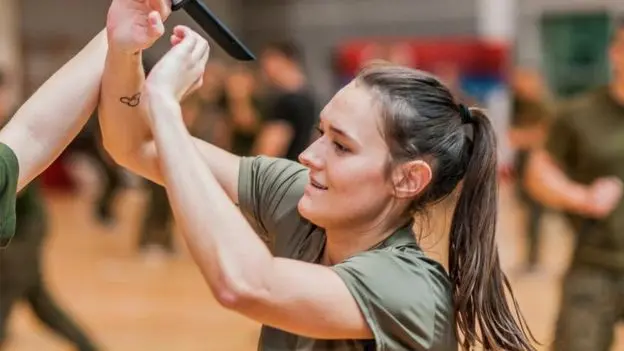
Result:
470,56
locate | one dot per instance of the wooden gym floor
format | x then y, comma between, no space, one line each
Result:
131,302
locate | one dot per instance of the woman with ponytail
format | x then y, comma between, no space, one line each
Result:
323,252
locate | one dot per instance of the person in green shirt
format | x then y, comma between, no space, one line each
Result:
531,115
47,122
323,252
580,172
22,277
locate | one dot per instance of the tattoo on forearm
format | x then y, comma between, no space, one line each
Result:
131,101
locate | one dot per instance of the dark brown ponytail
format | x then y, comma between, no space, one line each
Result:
422,120
474,265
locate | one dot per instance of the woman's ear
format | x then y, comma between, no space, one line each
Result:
411,178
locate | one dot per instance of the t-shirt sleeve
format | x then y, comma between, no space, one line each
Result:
561,143
398,296
9,170
269,190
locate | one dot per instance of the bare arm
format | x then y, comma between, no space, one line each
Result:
301,298
527,138
44,126
547,183
122,113
126,135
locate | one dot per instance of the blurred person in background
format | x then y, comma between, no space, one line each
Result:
89,143
531,114
240,102
402,54
21,265
580,171
203,108
450,73
291,112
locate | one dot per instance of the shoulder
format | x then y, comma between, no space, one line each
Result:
403,266
9,162
405,297
272,169
9,169
269,190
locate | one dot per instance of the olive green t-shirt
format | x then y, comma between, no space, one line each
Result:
404,296
9,169
587,141
528,113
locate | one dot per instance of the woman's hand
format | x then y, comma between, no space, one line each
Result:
181,70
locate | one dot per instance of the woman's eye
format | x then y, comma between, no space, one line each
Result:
340,148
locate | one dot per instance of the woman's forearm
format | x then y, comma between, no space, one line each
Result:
122,111
231,256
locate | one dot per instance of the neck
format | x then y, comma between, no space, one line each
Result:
343,243
433,230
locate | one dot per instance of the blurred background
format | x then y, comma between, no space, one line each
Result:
115,274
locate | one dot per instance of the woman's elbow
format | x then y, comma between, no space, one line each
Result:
237,297
120,157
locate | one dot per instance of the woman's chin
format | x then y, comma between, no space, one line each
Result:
309,210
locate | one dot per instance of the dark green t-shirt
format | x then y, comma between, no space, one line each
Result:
404,296
9,169
587,141
527,113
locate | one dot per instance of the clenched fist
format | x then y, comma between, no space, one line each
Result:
604,196
134,25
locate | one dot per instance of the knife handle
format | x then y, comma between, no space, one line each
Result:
201,14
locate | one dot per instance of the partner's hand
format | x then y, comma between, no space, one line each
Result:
181,70
134,25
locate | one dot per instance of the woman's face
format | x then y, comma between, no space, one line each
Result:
349,185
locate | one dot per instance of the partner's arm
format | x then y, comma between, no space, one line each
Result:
547,183
56,112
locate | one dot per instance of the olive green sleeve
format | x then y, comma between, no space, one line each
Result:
403,302
9,170
269,190
562,142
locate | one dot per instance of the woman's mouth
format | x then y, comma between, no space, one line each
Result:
317,185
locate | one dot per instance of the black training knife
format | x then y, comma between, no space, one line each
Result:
201,14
